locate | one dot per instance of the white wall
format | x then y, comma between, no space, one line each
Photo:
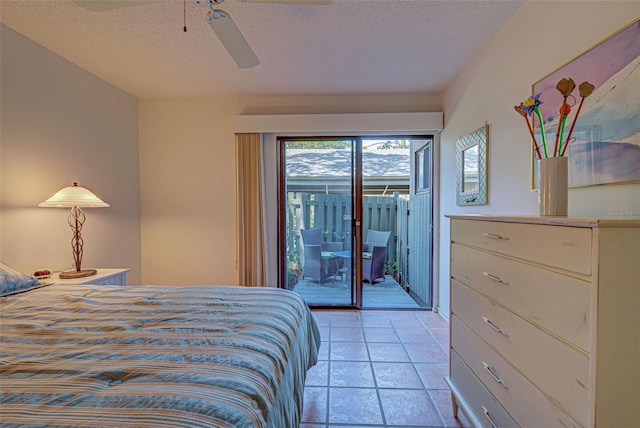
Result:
540,37
61,124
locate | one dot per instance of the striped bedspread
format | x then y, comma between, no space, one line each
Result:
209,356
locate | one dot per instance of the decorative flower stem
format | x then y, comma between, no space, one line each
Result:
565,87
575,119
562,124
533,138
563,113
585,89
543,134
561,119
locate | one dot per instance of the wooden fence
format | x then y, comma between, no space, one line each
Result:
332,213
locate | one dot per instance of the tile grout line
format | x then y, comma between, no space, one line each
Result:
413,365
373,373
360,323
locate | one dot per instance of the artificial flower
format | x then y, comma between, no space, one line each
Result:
523,112
531,103
531,106
564,110
585,89
566,86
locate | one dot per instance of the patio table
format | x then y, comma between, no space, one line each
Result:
347,255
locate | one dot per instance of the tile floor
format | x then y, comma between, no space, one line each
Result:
380,369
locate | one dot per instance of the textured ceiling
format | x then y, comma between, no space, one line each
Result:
347,47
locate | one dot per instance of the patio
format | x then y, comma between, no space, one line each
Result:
386,294
319,223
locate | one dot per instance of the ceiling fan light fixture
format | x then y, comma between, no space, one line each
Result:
232,39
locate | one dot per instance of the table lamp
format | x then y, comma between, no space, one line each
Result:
75,197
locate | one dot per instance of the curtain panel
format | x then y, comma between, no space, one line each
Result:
250,206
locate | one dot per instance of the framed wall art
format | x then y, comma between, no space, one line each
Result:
471,168
605,144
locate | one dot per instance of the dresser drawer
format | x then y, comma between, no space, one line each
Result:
486,410
528,405
559,303
560,246
553,366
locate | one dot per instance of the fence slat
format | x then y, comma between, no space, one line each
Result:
332,213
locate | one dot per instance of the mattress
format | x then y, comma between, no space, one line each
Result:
206,356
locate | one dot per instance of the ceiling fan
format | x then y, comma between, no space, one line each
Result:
219,20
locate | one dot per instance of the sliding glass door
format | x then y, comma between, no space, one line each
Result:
318,219
345,229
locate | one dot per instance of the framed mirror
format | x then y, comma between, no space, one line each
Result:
471,168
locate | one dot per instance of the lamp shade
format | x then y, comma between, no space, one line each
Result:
74,196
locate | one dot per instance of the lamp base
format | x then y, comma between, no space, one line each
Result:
77,274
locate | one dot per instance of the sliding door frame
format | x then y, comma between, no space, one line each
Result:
357,290
356,212
357,224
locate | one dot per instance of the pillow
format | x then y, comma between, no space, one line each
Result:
12,281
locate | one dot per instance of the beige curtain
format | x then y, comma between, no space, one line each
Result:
251,226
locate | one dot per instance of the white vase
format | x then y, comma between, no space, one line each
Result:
553,179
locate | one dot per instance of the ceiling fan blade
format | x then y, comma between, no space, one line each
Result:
100,5
308,2
232,39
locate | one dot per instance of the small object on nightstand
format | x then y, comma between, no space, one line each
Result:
42,273
77,273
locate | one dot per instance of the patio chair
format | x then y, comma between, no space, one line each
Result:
317,261
373,268
376,244
376,237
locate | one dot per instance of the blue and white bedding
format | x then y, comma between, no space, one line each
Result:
12,281
209,356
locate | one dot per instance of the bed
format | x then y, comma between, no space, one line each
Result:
207,356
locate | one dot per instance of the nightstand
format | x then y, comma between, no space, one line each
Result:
103,277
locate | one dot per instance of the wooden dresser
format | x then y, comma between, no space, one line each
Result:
545,321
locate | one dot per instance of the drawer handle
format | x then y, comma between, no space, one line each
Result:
493,326
493,374
495,236
486,413
495,278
